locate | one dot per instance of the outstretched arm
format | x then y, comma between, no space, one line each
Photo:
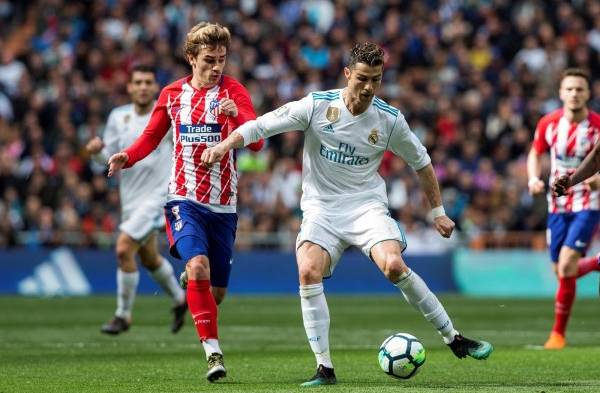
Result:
589,167
155,130
443,224
214,154
290,117
244,111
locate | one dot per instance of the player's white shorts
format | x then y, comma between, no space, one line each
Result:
141,221
360,228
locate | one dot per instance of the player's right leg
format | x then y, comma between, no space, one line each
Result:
387,255
313,262
127,282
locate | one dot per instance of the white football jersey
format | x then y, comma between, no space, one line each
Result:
147,182
342,152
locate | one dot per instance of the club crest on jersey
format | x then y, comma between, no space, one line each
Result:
332,114
213,107
178,225
126,118
373,136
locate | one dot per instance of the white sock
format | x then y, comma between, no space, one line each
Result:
211,346
165,277
315,314
417,293
126,286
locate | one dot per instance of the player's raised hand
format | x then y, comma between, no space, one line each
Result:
94,146
536,186
211,155
116,162
444,225
560,185
228,107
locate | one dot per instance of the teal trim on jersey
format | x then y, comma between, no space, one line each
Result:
385,107
395,114
383,103
391,133
402,234
328,96
324,98
325,93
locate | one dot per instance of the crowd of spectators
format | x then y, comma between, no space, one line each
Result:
471,77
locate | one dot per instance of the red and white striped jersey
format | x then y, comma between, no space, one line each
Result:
568,144
197,124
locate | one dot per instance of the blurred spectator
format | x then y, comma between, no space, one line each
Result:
471,77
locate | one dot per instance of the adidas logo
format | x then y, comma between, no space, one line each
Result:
328,128
59,276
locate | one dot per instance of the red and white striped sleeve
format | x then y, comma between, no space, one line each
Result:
540,143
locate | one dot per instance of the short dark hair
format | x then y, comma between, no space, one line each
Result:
366,52
576,72
142,68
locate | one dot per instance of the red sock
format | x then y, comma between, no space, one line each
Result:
586,265
203,308
563,303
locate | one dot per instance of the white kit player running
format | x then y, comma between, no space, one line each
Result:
344,200
143,192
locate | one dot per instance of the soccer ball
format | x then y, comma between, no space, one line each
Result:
401,355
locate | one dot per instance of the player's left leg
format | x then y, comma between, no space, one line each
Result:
204,312
387,256
187,228
579,233
380,238
565,296
127,282
220,240
162,272
586,265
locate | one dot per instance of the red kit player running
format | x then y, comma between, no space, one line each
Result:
203,109
569,133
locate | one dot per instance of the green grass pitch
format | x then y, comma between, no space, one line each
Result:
54,345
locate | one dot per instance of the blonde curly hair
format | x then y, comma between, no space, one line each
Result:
205,34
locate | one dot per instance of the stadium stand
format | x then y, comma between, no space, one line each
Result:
472,78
